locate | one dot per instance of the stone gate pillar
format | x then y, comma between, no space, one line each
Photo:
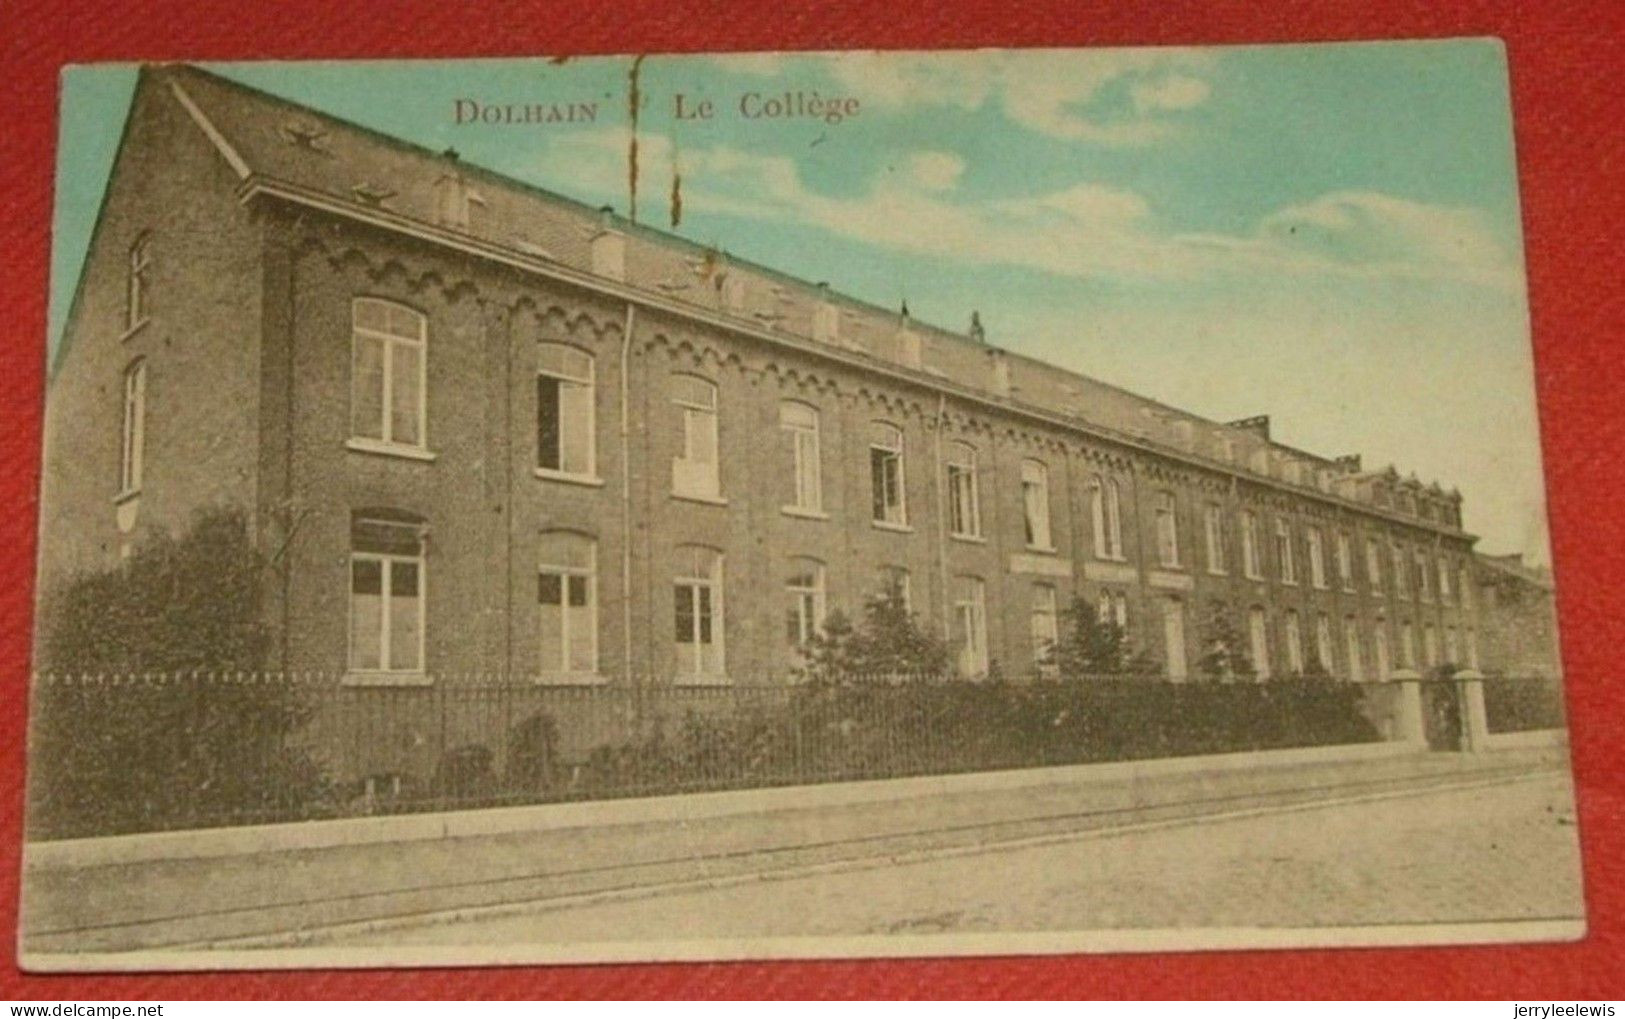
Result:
1409,726
1474,721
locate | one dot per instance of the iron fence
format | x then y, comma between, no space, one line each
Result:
116,754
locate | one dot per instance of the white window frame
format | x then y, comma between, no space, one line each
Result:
1446,594
806,462
1421,562
563,376
561,670
1213,525
807,602
387,562
1106,514
1112,607
133,429
391,342
893,466
1293,632
1382,650
1166,515
1252,558
970,613
691,477
1286,560
689,578
1325,649
1044,625
1373,566
900,576
1317,558
1258,641
1407,644
1345,561
964,502
1352,650
1035,506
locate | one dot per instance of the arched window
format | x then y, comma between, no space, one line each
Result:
699,612
804,616
1351,648
1105,514
1284,558
137,281
799,424
1258,640
1324,651
1385,656
1294,642
133,430
567,604
1035,504
1252,562
1317,557
387,374
886,475
964,513
1218,545
386,593
694,469
565,412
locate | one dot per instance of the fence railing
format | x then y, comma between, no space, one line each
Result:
112,754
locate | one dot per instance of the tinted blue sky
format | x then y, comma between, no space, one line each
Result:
1328,234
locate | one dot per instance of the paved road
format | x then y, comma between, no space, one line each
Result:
1504,851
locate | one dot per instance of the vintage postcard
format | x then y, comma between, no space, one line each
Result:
825,504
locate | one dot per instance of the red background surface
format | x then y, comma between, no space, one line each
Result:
1565,59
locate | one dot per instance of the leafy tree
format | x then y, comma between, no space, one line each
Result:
151,711
886,641
1223,656
1091,646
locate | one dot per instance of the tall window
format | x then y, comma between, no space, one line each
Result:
1173,637
1445,594
1167,519
1112,607
1251,564
1373,565
1105,505
1035,504
964,514
137,282
805,613
1258,639
1385,656
564,411
1323,641
694,468
133,430
895,578
1424,576
1213,527
1294,642
1407,645
1283,552
1472,648
1317,558
1430,644
1452,646
1464,585
886,473
1045,626
799,424
1402,580
970,625
386,595
567,604
1351,648
387,373
699,619
1345,561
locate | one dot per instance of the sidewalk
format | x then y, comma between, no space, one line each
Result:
157,903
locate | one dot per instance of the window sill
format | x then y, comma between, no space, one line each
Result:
702,681
1289,583
587,480
132,330
1254,577
1043,550
389,449
387,679
1218,573
1171,566
1112,558
803,513
571,679
969,539
887,525
126,495
708,500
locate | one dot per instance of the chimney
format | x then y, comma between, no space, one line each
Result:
1000,371
826,317
608,247
909,353
1259,425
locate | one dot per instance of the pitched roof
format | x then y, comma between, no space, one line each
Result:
265,136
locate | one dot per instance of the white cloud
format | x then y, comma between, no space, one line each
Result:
1084,230
1068,94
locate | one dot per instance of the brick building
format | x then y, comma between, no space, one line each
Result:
489,429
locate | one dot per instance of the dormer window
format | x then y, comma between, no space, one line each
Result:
135,294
